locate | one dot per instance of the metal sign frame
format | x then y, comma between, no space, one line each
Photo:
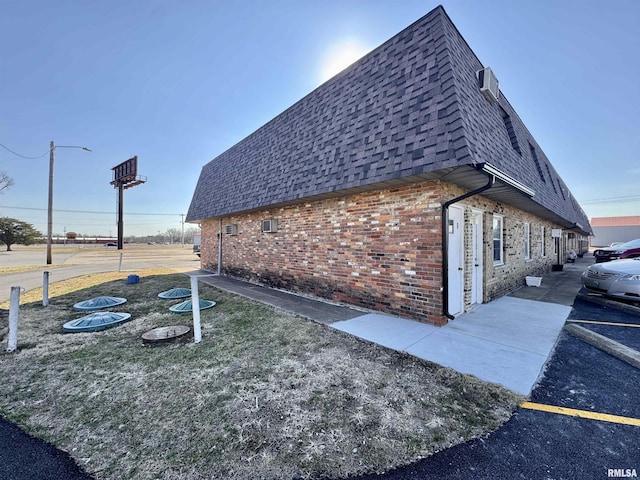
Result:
126,172
125,175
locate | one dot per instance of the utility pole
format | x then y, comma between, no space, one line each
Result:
52,149
182,222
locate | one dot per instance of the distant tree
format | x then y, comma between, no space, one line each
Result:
189,233
14,231
174,235
5,181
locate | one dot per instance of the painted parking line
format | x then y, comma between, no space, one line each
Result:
606,323
603,417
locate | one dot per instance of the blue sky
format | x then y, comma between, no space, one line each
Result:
178,82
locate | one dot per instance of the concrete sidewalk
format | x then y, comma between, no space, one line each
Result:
312,309
506,341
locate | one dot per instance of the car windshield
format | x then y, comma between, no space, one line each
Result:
628,245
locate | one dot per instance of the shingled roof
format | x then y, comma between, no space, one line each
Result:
410,110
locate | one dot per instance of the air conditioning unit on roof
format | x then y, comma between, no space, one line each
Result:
488,84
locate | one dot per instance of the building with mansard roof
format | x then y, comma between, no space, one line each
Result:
406,184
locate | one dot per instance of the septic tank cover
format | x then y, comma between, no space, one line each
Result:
175,293
96,321
165,334
99,303
186,306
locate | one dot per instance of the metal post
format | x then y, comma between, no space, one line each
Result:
52,149
120,214
120,263
14,307
182,234
195,308
45,289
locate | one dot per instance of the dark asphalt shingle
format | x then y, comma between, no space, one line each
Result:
409,107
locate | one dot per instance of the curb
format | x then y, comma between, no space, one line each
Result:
605,302
618,350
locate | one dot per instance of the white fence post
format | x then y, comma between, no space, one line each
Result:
45,289
14,307
195,308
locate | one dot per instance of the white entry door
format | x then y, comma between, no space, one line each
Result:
478,257
456,260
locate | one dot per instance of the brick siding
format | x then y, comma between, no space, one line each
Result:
378,250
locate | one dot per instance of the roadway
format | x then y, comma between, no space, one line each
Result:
71,261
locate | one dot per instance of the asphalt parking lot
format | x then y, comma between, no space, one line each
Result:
537,444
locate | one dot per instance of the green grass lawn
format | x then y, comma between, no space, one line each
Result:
264,395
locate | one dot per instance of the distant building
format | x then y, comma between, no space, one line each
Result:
607,230
406,184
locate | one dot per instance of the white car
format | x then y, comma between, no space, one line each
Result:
618,278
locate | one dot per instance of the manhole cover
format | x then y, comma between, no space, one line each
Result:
96,321
186,306
165,334
99,303
175,293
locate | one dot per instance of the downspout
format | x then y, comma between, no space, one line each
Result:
220,247
445,237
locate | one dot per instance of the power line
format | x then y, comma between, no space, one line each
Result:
22,156
612,199
88,211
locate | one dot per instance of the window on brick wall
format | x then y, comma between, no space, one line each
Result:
527,241
543,252
498,258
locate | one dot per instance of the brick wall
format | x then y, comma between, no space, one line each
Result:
378,250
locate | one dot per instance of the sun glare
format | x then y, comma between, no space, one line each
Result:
339,57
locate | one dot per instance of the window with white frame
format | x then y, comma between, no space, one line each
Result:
543,252
527,241
498,258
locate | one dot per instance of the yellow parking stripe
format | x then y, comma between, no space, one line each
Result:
603,417
606,323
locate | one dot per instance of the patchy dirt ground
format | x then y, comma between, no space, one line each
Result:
265,395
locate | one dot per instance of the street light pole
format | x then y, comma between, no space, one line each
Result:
52,149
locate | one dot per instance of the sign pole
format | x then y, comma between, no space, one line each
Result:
125,175
120,214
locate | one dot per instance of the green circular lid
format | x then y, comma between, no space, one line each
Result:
96,321
186,306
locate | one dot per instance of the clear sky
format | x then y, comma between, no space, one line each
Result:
177,82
